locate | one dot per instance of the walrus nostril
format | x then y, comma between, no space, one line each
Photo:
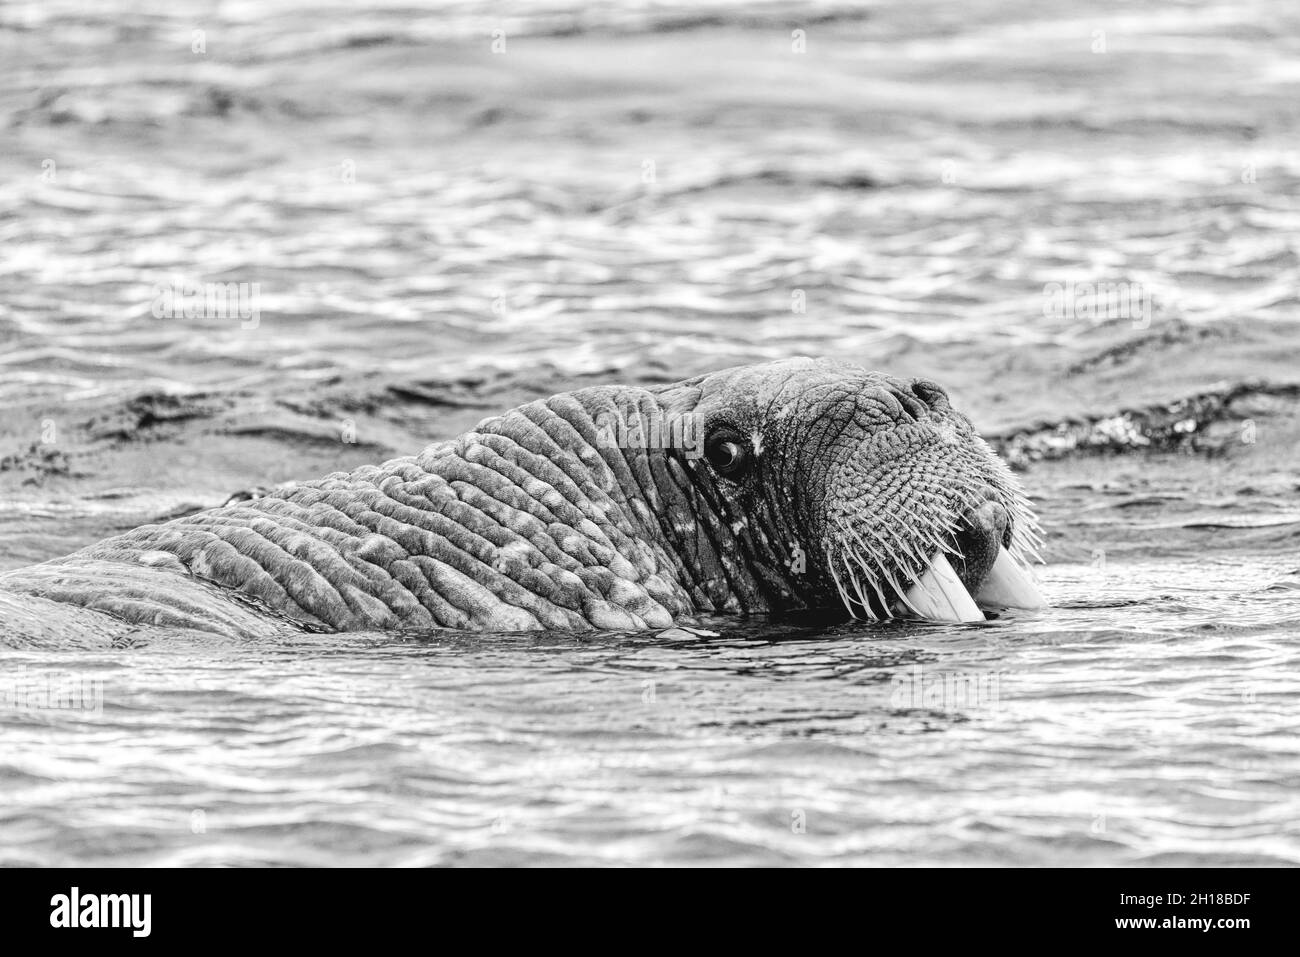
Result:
910,406
931,393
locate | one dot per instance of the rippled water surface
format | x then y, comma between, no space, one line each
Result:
637,193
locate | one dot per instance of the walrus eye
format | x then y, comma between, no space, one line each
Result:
728,453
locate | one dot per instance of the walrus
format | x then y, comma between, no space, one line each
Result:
788,486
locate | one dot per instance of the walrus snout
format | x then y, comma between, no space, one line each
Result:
924,520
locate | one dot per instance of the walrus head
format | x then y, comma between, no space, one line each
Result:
855,488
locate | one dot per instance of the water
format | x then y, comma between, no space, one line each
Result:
638,194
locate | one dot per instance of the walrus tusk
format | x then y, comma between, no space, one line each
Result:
1009,585
939,595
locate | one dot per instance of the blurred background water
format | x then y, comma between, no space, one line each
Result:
449,208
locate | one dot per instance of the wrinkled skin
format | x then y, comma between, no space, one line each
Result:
798,484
